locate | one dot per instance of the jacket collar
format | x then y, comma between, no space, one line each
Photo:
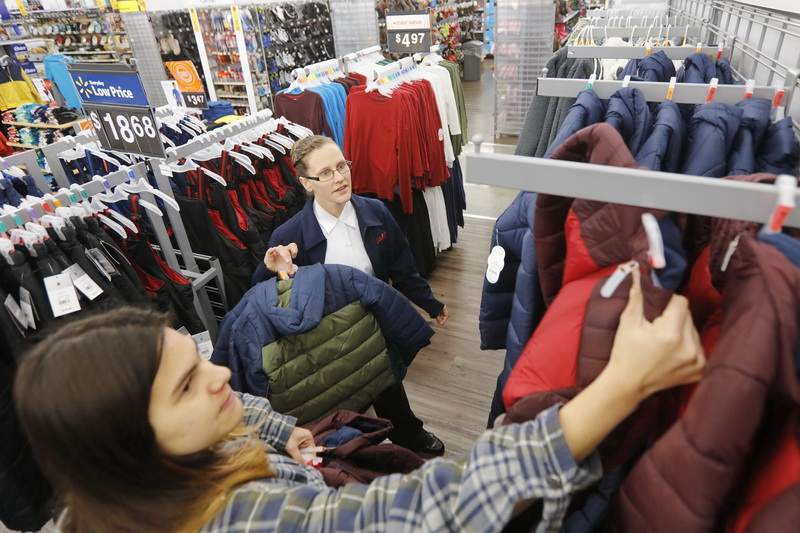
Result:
365,213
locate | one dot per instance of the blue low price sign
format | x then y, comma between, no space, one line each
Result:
115,101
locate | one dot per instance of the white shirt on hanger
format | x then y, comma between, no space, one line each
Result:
345,245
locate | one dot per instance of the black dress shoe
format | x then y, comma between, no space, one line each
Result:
427,445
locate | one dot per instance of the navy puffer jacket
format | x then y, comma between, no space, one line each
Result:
629,114
697,68
318,291
712,130
780,150
656,67
663,149
755,121
588,109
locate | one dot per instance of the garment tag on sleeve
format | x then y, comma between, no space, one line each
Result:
102,263
62,295
204,344
82,282
26,304
16,312
496,263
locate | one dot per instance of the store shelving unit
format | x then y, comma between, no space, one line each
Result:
64,126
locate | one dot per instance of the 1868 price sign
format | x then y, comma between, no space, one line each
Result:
127,129
408,31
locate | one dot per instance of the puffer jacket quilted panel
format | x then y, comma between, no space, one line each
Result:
779,152
712,130
629,113
755,121
663,149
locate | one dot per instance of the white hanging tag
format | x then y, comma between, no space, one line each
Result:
204,345
626,81
61,293
619,275
496,262
15,311
26,303
672,81
82,282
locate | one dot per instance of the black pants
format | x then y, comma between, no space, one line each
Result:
393,405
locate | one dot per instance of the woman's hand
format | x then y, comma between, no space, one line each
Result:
646,357
300,438
280,258
442,318
657,355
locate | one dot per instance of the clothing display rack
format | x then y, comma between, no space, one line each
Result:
601,30
639,52
752,202
30,161
683,93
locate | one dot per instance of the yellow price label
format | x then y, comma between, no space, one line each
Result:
237,22
195,22
669,93
21,6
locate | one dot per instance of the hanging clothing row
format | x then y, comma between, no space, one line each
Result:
739,473
403,134
233,195
709,139
316,99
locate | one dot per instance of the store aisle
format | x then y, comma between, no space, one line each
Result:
451,382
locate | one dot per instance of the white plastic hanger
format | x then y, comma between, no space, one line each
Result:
6,247
213,175
141,185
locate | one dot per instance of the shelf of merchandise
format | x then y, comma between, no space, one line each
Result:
64,126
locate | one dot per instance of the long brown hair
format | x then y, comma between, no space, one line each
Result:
82,396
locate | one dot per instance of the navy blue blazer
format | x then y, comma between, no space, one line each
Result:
384,243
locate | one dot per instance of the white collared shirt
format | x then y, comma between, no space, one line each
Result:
345,245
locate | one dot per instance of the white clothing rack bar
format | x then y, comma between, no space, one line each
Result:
643,31
65,199
30,161
631,20
753,202
218,135
684,93
638,52
392,68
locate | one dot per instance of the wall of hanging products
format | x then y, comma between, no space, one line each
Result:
88,34
294,34
173,31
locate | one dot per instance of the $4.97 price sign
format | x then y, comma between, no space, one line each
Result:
126,128
408,31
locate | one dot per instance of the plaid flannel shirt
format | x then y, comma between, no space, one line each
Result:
472,493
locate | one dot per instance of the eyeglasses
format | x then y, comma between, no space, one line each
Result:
327,175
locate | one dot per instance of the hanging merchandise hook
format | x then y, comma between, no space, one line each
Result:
626,81
712,89
749,87
671,89
787,191
590,81
655,243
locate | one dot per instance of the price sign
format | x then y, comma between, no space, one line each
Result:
197,100
126,129
408,32
116,103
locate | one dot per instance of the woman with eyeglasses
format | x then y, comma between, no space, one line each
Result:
338,227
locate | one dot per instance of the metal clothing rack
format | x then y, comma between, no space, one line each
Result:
639,52
753,202
30,161
643,31
190,269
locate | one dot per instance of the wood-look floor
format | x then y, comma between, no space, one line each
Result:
451,382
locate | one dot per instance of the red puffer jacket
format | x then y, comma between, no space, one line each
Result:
579,244
732,462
